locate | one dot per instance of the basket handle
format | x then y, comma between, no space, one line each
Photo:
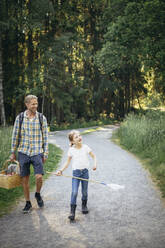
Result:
5,165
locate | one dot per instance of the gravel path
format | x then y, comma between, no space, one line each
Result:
133,217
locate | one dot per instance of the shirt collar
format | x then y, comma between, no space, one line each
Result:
25,114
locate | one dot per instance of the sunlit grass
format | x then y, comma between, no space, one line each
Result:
90,130
5,144
144,135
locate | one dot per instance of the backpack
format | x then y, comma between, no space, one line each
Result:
21,116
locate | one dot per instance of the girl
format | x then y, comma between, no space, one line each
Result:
78,153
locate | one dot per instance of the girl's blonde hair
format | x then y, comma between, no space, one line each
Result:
71,136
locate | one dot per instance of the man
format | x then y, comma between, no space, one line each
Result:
30,138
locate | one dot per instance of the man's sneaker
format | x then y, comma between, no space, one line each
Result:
27,207
39,200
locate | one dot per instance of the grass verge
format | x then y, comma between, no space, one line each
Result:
144,136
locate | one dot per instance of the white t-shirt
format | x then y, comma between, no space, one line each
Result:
80,159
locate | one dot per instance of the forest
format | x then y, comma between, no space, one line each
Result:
82,58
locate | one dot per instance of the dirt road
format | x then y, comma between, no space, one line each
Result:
133,217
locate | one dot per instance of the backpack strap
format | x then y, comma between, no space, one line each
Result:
21,116
40,116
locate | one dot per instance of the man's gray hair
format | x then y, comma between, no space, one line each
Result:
28,98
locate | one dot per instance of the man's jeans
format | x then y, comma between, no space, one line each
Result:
75,185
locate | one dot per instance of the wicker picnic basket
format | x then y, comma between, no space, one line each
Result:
10,181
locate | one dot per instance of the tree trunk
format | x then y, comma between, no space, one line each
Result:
2,109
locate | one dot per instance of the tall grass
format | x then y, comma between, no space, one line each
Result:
144,135
5,144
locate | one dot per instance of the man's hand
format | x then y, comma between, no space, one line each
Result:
12,157
44,160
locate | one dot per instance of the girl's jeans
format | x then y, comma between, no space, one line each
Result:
75,185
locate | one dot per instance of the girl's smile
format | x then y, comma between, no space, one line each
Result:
77,139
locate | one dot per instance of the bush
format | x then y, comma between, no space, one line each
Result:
79,123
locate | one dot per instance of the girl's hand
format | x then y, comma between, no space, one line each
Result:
94,167
59,173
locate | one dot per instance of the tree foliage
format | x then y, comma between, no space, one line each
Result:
81,58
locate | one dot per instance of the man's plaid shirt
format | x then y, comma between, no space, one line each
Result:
33,141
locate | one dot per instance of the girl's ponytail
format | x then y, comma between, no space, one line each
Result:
71,136
71,144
